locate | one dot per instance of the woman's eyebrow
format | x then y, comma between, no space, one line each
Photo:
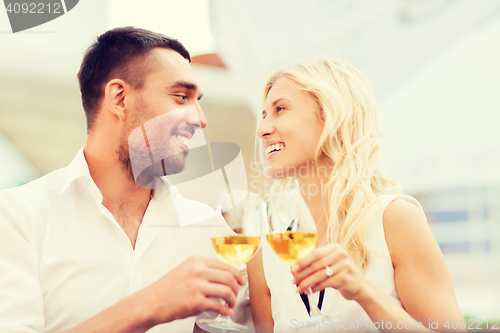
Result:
281,99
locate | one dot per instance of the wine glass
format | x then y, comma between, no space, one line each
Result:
292,234
243,212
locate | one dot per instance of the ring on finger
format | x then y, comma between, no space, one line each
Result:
328,271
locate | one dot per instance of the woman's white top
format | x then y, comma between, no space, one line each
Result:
290,313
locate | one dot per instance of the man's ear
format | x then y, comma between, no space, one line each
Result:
114,98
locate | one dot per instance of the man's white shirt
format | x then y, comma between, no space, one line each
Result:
64,258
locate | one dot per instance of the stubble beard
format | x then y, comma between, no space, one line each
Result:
171,164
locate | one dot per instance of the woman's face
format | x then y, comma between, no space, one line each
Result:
290,130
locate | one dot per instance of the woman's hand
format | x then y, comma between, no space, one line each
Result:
346,277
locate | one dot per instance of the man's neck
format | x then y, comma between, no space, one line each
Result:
126,201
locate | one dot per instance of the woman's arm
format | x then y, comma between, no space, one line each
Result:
421,277
260,296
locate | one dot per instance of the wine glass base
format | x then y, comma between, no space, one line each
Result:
223,323
318,318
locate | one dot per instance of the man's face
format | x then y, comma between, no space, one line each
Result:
165,114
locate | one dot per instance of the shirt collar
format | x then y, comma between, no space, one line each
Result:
76,170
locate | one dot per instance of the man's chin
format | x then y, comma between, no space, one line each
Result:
151,175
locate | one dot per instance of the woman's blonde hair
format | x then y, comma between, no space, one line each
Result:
350,140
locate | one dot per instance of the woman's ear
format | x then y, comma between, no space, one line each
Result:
114,98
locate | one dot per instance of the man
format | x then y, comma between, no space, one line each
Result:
97,246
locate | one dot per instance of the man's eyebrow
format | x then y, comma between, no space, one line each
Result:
186,85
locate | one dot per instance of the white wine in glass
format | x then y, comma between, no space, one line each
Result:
292,234
243,212
237,249
291,246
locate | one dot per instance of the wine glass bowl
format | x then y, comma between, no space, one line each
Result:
243,212
291,246
235,250
292,234
291,230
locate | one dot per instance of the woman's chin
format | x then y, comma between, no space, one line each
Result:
276,172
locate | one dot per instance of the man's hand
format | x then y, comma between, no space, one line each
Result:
185,291
193,287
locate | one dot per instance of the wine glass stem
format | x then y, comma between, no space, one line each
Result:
314,310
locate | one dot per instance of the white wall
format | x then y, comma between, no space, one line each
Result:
54,49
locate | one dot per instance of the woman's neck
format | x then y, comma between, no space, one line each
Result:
311,188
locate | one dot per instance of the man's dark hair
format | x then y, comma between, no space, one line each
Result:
120,53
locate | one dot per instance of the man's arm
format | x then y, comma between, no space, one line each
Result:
183,292
21,298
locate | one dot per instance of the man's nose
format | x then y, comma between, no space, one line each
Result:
197,117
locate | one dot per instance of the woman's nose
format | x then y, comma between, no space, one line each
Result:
265,128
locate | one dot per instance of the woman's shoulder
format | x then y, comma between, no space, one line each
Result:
401,205
405,227
393,211
402,212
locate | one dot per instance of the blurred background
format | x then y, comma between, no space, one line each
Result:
433,64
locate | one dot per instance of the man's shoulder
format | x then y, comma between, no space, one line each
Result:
33,193
25,209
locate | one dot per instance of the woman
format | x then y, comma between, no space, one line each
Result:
377,259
